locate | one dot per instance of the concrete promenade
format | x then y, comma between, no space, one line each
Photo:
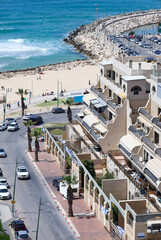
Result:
84,228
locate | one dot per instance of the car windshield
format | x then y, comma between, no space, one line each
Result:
12,124
3,190
24,236
22,170
1,150
3,181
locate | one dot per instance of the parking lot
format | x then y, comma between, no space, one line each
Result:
135,45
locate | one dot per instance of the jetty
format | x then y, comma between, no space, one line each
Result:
92,39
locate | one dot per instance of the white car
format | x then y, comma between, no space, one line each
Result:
4,193
22,173
13,126
3,181
3,126
2,153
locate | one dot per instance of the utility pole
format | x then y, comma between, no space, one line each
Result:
14,188
38,219
57,93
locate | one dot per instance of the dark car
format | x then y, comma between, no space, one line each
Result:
58,110
9,120
18,225
34,118
97,148
56,182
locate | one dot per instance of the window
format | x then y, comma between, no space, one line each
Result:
110,116
146,156
136,90
101,72
153,89
120,80
110,93
159,111
124,88
156,137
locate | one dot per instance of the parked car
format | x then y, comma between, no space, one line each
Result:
4,193
22,235
56,182
58,110
3,126
34,118
13,126
2,153
97,148
3,181
18,225
9,120
22,173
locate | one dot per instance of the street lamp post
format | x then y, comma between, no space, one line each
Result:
38,219
14,188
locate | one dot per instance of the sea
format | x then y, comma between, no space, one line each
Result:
32,31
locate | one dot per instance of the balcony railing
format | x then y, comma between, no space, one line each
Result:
146,114
95,90
111,104
124,150
158,152
86,126
102,97
135,132
137,162
156,122
96,136
78,117
103,120
149,143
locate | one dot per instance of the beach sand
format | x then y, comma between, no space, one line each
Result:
71,78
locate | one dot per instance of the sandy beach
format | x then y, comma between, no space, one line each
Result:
71,77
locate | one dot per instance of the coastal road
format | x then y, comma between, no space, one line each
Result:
52,224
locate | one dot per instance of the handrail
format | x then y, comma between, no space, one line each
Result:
73,155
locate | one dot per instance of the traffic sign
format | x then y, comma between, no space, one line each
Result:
12,202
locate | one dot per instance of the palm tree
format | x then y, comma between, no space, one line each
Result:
36,133
21,92
68,180
69,102
28,124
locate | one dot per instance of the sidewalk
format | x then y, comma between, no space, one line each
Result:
86,228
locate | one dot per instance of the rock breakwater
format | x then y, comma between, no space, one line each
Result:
92,39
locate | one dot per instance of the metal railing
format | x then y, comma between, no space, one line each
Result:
146,114
135,132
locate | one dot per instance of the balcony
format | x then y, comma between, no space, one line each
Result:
137,162
124,150
137,133
145,114
149,143
157,122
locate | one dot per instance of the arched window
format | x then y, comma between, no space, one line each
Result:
153,89
136,90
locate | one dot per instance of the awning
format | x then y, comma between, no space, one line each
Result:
130,143
90,120
94,101
143,120
100,128
88,97
154,166
122,95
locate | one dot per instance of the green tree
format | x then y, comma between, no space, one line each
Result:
69,102
89,165
29,136
67,181
36,133
107,175
22,92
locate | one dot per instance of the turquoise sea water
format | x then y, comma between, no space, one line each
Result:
32,31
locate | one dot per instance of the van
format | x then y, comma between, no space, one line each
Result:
75,189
